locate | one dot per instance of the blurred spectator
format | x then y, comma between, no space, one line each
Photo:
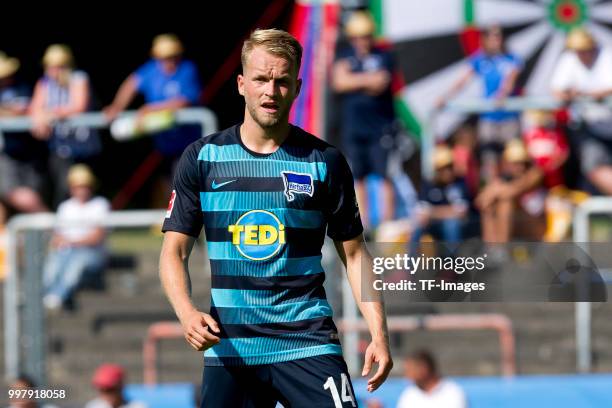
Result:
78,243
585,70
498,71
61,93
362,74
373,403
546,145
514,204
109,380
444,202
21,157
465,163
429,390
168,83
23,383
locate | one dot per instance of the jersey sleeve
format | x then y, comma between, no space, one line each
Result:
343,219
184,212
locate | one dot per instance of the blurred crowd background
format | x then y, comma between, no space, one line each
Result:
460,120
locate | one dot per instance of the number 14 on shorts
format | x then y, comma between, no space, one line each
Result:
347,391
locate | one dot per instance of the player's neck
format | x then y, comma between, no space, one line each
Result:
263,140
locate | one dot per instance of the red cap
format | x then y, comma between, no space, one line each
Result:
108,376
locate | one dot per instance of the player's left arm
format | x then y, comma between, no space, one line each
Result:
354,254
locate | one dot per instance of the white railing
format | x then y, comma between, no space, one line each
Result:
203,116
14,294
581,227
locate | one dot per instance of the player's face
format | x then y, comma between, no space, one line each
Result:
269,85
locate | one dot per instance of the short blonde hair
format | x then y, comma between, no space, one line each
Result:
277,42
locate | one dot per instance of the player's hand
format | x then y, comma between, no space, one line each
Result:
197,327
377,352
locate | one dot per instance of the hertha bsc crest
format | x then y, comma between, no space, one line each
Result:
297,183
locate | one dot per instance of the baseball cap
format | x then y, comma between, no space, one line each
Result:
108,376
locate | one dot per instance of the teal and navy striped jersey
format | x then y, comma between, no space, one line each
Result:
265,217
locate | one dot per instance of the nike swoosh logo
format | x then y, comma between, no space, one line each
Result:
216,186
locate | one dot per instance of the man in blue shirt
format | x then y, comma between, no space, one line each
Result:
362,75
168,83
266,193
498,71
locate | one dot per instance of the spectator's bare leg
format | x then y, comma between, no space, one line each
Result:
26,200
3,215
504,217
487,216
388,204
601,178
362,200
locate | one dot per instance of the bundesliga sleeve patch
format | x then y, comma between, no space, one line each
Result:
297,183
171,204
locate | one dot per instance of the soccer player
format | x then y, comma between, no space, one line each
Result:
266,192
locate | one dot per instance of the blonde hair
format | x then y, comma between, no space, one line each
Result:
277,42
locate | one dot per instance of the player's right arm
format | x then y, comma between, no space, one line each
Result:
174,275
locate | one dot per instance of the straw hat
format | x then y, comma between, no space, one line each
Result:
359,24
580,39
58,55
515,152
166,46
442,156
81,175
8,66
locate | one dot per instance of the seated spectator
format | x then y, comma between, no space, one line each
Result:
61,93
109,381
498,71
465,163
21,157
168,82
429,390
444,203
514,204
78,243
362,75
584,70
24,383
547,145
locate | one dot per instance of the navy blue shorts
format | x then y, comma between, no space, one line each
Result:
366,156
320,381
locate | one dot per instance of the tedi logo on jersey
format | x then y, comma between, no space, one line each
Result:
297,183
258,235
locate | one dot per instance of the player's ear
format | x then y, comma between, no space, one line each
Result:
240,82
298,87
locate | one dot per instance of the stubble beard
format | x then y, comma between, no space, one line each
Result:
268,121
